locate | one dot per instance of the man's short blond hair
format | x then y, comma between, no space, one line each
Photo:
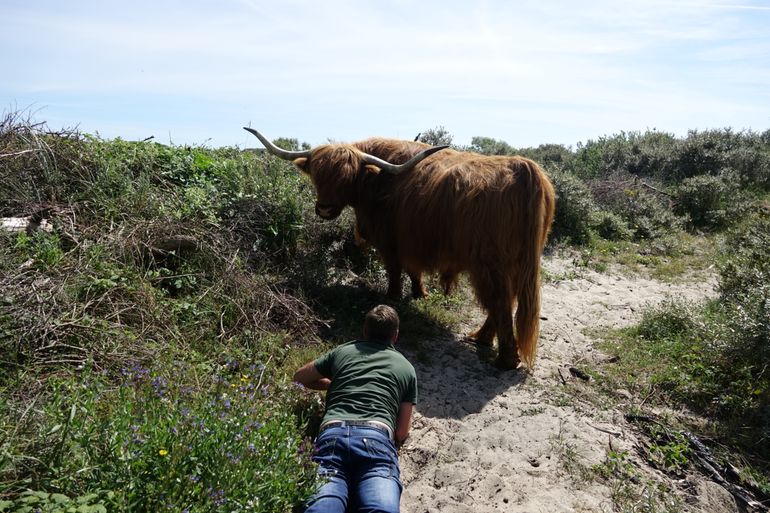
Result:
381,323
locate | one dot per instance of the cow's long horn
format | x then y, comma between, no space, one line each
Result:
400,168
275,150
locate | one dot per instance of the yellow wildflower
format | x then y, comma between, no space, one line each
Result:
163,452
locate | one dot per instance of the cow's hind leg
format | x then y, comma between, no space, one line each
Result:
508,354
495,293
485,335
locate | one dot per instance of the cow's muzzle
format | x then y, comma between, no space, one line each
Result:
327,212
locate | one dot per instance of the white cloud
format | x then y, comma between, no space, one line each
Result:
601,63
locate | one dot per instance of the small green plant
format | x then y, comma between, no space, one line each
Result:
44,248
630,492
616,464
160,442
31,501
669,450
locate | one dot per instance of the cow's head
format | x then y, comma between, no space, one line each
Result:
335,168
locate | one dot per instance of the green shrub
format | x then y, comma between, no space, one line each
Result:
648,154
611,226
647,215
709,202
574,207
549,156
745,266
720,152
670,320
490,146
166,440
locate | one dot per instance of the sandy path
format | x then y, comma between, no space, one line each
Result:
485,440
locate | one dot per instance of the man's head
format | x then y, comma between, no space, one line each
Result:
381,323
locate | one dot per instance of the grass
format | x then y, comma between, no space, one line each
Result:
166,438
664,364
670,259
630,492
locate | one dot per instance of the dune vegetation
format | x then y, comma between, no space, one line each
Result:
158,299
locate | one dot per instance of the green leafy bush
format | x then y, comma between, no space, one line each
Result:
163,441
490,146
574,207
611,226
152,254
709,202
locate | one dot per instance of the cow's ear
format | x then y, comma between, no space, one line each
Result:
374,169
300,163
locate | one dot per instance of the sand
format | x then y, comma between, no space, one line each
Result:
485,440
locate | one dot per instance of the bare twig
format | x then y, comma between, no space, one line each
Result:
604,430
262,373
648,186
17,153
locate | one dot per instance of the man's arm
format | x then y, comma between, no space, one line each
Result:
309,376
403,422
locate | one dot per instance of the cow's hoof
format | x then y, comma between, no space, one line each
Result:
507,363
481,339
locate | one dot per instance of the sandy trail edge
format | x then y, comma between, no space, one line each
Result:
484,440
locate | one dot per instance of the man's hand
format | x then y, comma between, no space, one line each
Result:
403,422
309,376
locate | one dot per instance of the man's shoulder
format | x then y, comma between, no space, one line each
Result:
401,361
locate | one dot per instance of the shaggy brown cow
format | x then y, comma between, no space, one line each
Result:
451,212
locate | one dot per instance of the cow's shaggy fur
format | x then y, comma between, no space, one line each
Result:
453,212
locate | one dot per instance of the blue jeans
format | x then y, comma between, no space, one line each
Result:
359,466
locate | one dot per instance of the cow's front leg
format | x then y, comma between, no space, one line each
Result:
393,269
418,287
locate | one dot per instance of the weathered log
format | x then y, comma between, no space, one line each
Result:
29,224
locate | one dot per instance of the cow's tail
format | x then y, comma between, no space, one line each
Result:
540,208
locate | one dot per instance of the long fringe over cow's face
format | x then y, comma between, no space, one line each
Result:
333,170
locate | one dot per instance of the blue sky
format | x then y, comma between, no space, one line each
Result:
526,72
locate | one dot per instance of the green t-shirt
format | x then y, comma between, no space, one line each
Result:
370,379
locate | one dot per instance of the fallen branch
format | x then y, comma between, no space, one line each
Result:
656,190
603,430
